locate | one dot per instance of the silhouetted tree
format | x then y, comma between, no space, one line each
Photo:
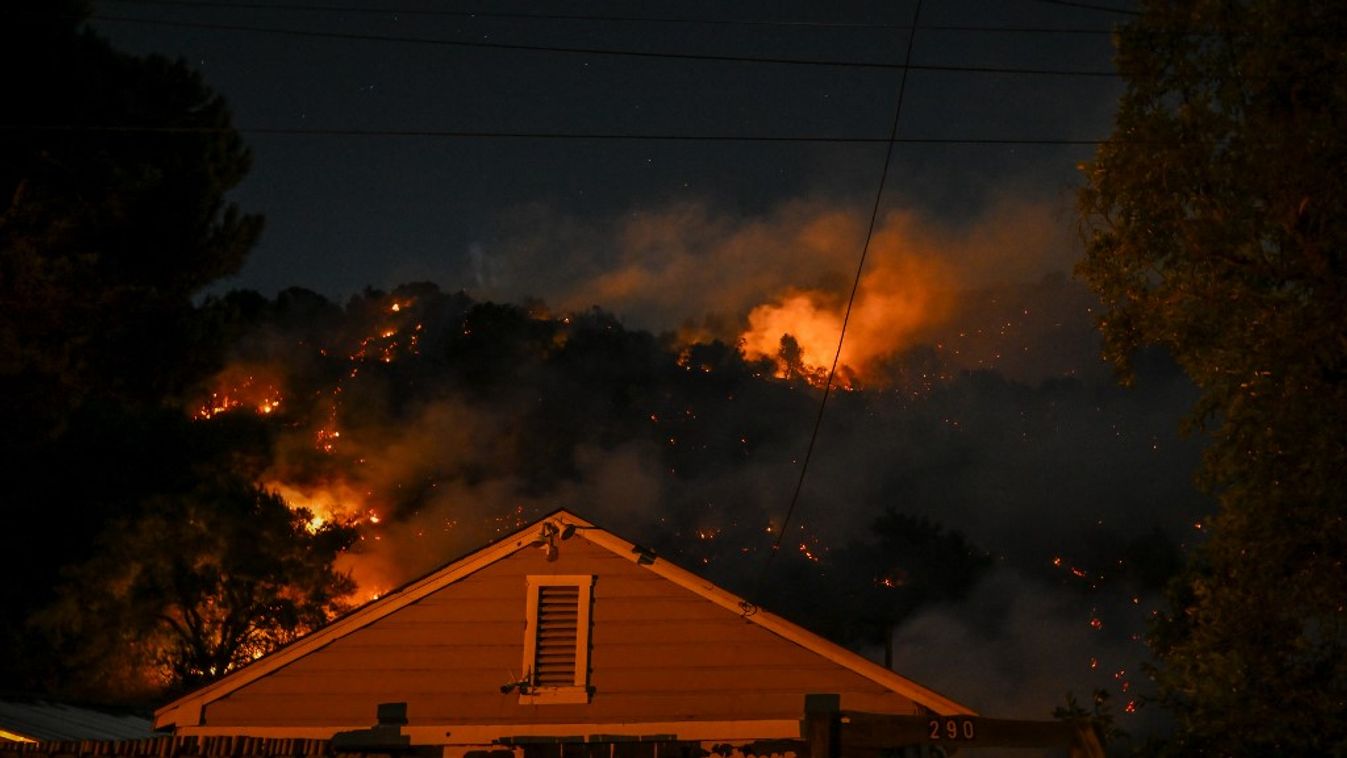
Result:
193,587
113,174
1216,225
792,358
915,561
494,344
862,592
1099,716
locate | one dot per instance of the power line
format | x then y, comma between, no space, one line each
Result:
688,20
509,14
696,21
605,51
541,135
1091,7
855,287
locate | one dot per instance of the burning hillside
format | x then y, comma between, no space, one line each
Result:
896,303
693,265
430,423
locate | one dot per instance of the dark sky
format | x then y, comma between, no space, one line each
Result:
345,212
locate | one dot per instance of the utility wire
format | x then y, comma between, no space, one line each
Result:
855,287
688,20
691,20
476,44
541,135
908,65
1091,7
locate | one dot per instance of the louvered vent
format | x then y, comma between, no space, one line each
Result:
558,630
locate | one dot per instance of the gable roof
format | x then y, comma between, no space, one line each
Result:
187,709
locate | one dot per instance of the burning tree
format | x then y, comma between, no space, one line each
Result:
194,587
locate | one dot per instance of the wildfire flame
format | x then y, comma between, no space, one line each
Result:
340,502
896,302
326,439
332,502
241,387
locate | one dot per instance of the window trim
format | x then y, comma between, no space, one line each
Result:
579,691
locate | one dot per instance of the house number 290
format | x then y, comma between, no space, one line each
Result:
951,729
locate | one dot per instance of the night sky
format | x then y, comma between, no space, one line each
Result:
346,212
372,184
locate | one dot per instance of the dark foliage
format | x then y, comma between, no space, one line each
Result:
1216,229
190,587
105,230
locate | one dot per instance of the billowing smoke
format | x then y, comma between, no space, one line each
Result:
717,276
1018,648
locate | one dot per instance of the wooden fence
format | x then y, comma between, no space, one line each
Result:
176,747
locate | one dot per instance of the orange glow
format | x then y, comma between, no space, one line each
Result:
340,502
241,387
814,326
332,502
382,345
897,301
326,439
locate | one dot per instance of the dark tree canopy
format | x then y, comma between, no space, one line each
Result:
911,563
113,175
861,593
193,587
1216,225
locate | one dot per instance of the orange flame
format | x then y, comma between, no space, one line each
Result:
241,387
340,502
897,300
334,502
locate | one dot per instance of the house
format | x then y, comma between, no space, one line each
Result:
559,633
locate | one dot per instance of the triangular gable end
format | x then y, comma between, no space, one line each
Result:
561,596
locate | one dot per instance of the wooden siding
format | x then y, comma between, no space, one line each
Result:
658,653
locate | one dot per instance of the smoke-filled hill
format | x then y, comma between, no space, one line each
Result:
434,422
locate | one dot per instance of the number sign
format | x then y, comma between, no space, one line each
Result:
951,729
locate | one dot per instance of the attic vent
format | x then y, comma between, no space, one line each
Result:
558,615
556,642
